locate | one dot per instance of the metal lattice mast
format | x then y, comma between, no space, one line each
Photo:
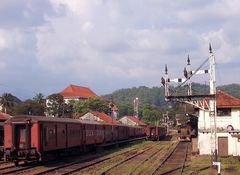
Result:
166,80
206,102
187,74
212,105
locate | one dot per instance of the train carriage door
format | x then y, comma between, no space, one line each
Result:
28,136
152,131
41,137
21,136
66,132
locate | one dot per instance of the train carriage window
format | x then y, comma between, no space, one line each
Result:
51,133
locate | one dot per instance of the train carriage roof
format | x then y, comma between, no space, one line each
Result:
35,119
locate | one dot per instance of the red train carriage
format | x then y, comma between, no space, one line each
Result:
3,118
108,133
136,131
123,132
184,133
94,132
36,137
32,137
1,141
155,132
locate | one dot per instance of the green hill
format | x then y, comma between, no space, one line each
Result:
155,95
233,89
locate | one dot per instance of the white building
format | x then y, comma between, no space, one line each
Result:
131,120
98,116
228,127
74,92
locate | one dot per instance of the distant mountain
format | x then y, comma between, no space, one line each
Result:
233,89
155,95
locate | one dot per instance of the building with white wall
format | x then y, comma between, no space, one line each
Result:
131,120
228,127
74,92
98,116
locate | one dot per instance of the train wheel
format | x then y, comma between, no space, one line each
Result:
16,163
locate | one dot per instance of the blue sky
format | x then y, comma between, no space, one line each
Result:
106,45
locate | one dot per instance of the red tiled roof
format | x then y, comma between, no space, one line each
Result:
104,117
77,91
4,117
226,100
136,120
114,108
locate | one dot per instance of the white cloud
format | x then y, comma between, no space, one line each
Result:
125,40
9,39
118,41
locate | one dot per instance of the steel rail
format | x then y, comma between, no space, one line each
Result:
84,161
121,162
164,160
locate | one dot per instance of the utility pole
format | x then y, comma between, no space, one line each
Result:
135,106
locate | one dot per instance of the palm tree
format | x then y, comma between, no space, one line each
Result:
6,101
39,98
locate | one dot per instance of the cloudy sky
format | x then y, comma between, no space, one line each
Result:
106,45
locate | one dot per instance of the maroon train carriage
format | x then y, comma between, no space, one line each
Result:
36,137
184,133
1,141
155,132
136,131
3,118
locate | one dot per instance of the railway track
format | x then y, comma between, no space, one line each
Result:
149,164
14,169
63,164
123,166
78,167
143,160
174,161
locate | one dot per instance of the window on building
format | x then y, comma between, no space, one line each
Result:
224,112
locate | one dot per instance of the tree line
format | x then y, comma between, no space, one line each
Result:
152,105
54,105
